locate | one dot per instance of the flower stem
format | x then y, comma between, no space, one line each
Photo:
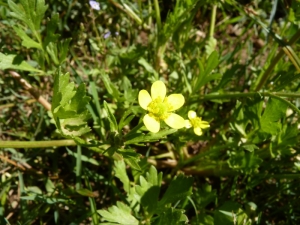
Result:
277,95
231,95
78,168
213,21
157,14
36,144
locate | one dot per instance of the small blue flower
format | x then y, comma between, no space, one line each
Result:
95,5
106,35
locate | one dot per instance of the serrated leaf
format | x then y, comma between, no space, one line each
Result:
153,177
119,214
149,190
179,189
12,61
63,47
244,161
120,170
172,216
274,111
205,195
131,158
210,45
52,51
69,107
52,25
26,40
29,11
132,162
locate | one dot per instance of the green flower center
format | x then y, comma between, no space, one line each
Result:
196,122
158,109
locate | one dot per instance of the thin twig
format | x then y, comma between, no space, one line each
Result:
31,90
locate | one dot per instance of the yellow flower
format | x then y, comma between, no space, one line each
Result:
196,122
160,107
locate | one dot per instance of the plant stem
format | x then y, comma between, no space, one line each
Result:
274,62
231,95
36,144
213,21
78,168
157,14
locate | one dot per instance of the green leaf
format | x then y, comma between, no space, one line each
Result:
275,110
26,40
31,12
119,214
230,213
210,45
244,161
12,61
212,62
52,51
179,189
205,220
63,47
148,67
120,170
205,195
205,75
253,111
69,107
85,192
83,158
110,87
111,118
126,119
153,177
149,190
249,147
52,25
172,216
131,158
149,199
150,137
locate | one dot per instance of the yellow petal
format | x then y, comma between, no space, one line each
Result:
175,121
188,124
158,89
192,114
144,99
204,124
198,131
175,101
151,124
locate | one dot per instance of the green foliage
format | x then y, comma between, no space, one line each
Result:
12,61
91,160
146,195
69,108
